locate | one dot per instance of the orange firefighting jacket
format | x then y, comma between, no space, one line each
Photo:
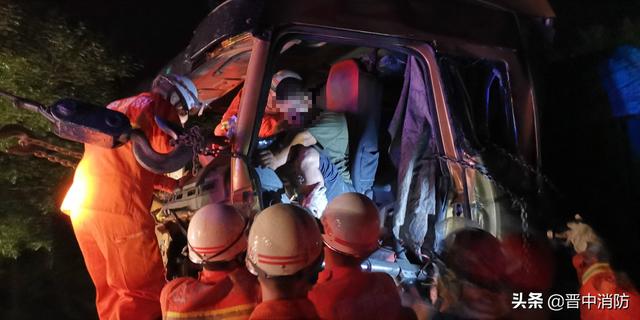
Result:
299,309
598,280
215,295
110,179
270,125
350,293
109,203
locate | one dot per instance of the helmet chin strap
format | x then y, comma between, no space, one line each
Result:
204,260
225,265
309,273
179,83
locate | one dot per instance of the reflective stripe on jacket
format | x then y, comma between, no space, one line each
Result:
215,295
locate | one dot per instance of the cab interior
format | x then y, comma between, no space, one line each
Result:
372,78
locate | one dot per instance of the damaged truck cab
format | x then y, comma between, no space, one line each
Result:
451,82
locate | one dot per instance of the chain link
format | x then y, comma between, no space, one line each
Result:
192,138
55,159
526,243
517,159
25,141
516,201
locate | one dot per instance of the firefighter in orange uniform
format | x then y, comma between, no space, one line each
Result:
352,227
273,121
285,252
598,280
225,289
109,204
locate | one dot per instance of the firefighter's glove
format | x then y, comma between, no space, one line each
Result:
581,236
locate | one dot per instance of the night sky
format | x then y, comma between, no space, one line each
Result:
152,32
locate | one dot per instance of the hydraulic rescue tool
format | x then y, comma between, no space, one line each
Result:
91,124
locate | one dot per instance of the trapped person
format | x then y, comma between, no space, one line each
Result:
351,229
109,204
285,253
273,121
315,150
336,151
286,105
224,289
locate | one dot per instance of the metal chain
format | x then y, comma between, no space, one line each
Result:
516,201
55,159
523,212
517,159
525,238
193,138
25,141
214,150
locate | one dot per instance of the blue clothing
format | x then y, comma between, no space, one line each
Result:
269,180
333,180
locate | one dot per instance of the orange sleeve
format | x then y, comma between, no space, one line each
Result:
270,126
141,111
233,107
166,293
582,262
165,183
144,109
232,110
598,279
163,109
124,106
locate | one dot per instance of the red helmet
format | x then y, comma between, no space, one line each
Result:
351,225
476,256
530,268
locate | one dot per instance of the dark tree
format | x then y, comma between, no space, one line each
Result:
44,59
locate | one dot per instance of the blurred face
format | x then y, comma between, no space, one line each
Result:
294,107
175,100
183,113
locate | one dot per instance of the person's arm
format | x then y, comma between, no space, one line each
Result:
222,127
149,106
278,158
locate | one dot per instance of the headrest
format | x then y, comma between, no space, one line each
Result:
343,85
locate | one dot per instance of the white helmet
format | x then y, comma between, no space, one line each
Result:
284,239
181,92
275,81
216,233
351,225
